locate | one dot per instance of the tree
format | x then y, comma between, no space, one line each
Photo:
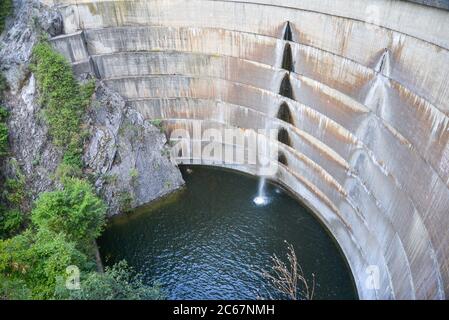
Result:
116,283
290,279
10,221
33,261
74,210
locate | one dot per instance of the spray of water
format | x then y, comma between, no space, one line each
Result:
261,199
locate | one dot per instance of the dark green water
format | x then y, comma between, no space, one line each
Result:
210,240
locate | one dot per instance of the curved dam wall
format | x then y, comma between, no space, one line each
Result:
357,90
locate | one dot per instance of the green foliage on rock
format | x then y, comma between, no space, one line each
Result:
74,210
63,98
10,221
3,132
12,196
116,283
14,190
3,85
6,9
66,171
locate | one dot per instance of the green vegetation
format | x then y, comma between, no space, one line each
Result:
6,9
11,218
10,221
75,210
116,283
64,100
3,132
64,222
35,260
3,86
11,199
14,188
3,117
110,178
158,123
125,200
134,175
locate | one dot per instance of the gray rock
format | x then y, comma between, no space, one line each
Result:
128,155
30,146
30,19
29,141
51,22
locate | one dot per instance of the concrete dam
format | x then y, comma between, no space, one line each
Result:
358,92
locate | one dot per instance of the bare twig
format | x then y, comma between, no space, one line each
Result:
290,279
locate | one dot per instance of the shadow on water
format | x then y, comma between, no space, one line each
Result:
209,240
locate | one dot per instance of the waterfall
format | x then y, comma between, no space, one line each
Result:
262,199
377,97
383,66
284,114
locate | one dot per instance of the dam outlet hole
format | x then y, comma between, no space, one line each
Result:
286,88
287,59
283,137
288,32
282,159
284,113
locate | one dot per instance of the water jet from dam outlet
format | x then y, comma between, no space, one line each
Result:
261,199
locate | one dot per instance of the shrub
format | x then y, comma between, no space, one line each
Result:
13,289
34,261
116,283
74,210
14,189
63,98
66,171
125,200
6,8
3,140
10,221
3,114
3,85
3,132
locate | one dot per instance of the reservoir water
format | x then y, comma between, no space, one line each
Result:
211,240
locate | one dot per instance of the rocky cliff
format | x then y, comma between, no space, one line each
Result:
128,155
125,156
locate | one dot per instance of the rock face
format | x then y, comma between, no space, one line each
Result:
22,32
29,143
126,155
129,155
